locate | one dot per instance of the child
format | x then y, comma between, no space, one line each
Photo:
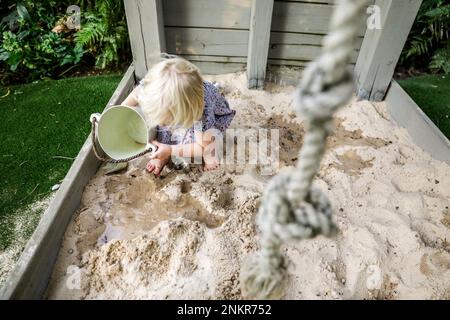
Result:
173,96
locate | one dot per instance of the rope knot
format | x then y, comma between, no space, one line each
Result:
280,219
295,220
319,96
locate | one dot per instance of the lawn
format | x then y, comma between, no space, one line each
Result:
43,125
432,94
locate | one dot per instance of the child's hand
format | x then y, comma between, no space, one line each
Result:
163,152
159,158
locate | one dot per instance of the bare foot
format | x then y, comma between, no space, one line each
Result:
155,166
210,162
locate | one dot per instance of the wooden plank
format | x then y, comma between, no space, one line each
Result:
305,17
212,67
284,62
298,46
313,1
194,57
30,277
199,41
146,31
381,49
217,64
226,14
258,43
423,131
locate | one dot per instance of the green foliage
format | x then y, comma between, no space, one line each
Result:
42,120
35,41
428,43
29,48
103,31
432,94
441,59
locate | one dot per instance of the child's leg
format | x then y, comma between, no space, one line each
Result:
211,154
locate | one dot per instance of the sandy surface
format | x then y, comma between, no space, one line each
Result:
186,235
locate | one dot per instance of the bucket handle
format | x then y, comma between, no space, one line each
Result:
94,119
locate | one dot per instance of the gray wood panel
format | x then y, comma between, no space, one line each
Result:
258,43
305,17
199,41
297,46
311,1
212,67
381,49
228,14
423,131
234,43
217,64
146,32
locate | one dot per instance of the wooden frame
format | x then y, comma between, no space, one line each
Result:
381,49
423,131
30,277
146,46
258,44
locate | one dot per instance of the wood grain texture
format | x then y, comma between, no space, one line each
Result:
258,43
305,17
226,14
199,41
381,49
303,47
146,32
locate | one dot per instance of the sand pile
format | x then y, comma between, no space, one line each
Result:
186,235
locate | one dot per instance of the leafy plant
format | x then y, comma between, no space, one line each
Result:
103,32
36,42
441,59
28,48
428,42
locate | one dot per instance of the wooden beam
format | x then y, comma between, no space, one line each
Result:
381,48
422,130
146,32
29,278
258,44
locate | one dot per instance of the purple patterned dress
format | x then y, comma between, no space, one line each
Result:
217,114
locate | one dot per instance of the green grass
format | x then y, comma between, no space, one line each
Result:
432,94
38,122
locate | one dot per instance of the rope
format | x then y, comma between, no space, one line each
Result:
291,208
99,157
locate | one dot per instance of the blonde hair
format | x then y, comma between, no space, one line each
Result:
172,93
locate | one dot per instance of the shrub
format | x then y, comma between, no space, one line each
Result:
428,44
36,43
29,49
104,31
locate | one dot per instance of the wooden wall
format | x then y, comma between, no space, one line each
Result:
214,33
211,33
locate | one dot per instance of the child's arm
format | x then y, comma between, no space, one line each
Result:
131,100
195,149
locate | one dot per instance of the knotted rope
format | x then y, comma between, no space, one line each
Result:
291,209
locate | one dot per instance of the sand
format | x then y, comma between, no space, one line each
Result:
185,236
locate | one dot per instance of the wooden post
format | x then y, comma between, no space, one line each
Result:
381,49
258,44
146,32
